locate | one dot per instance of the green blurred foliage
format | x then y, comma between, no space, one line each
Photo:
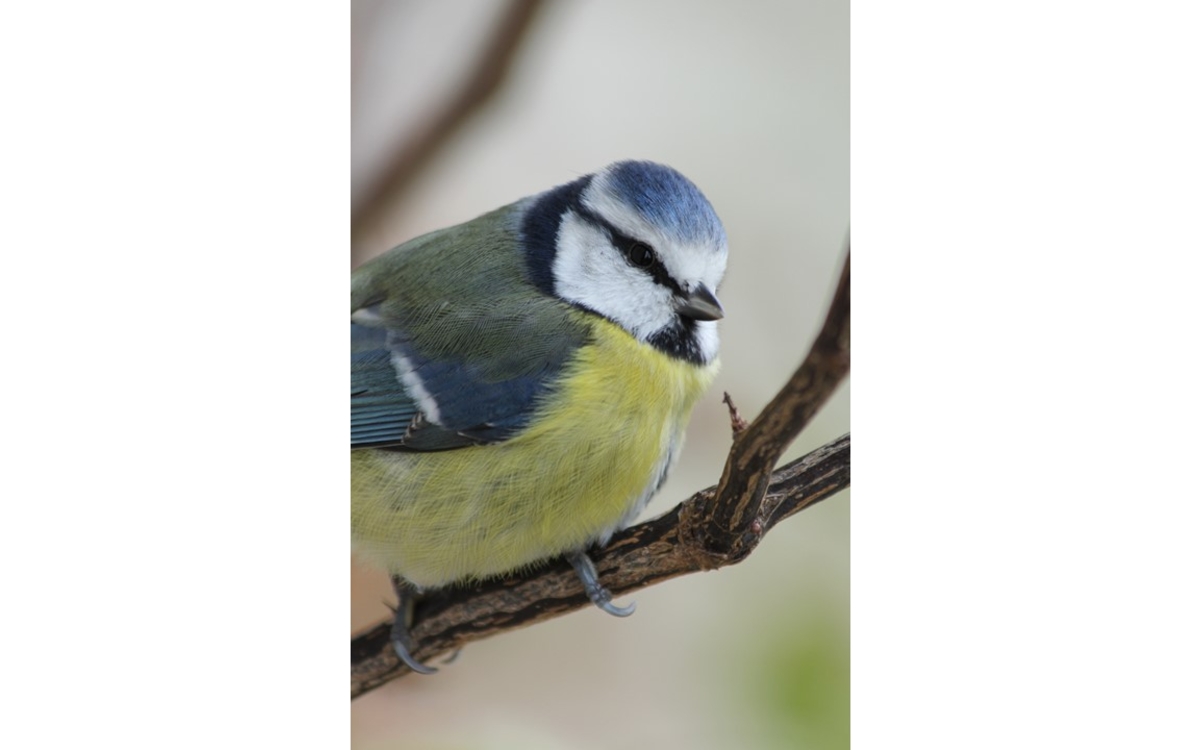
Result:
804,695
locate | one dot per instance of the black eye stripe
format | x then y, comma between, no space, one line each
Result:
629,246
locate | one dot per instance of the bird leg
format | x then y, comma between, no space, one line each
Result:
600,596
401,639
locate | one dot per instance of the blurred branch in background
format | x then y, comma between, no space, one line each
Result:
484,79
716,527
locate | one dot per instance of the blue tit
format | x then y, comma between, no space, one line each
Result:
520,383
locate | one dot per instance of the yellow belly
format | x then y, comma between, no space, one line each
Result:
582,469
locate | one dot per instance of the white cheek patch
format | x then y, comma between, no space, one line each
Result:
589,271
707,339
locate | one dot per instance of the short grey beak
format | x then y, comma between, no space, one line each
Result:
701,304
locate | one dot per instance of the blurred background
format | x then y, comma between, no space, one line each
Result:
751,101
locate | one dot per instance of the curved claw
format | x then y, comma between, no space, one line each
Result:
401,640
600,596
402,651
616,611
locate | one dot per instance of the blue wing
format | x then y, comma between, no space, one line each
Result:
402,398
451,344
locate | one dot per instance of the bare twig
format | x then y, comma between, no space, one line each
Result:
737,422
715,527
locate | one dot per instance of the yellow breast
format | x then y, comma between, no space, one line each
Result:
589,460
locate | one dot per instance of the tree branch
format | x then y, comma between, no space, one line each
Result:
729,524
715,527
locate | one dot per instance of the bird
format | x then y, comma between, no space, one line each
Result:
521,382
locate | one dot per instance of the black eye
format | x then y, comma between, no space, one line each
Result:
641,255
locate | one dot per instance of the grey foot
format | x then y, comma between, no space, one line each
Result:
401,640
600,596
